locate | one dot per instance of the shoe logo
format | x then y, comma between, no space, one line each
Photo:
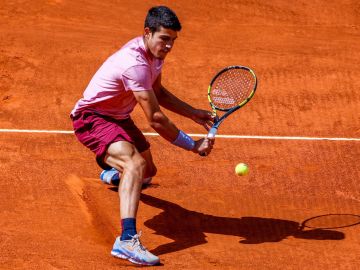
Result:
130,248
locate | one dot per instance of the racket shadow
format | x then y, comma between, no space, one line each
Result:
187,228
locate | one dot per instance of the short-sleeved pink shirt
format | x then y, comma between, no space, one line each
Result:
110,91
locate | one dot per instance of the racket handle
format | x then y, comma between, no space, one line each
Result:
211,134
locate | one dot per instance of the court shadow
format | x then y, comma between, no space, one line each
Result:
187,228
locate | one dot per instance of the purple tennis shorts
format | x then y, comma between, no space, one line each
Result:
97,132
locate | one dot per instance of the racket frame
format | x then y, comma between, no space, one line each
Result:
218,121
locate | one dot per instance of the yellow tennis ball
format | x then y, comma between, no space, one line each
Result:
241,169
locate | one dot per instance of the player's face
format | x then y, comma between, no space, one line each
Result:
160,42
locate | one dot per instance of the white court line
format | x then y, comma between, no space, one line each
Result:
196,135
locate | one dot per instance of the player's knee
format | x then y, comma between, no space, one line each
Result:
136,166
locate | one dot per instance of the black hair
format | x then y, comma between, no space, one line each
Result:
162,16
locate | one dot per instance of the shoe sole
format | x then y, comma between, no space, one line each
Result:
121,256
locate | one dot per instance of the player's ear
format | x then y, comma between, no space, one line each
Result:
147,32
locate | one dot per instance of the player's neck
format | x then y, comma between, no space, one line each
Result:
149,55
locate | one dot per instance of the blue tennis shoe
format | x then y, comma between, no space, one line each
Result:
110,177
134,251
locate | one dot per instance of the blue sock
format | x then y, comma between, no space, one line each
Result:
128,228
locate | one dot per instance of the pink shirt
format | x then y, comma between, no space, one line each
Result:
110,91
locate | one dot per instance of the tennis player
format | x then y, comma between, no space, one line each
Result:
101,120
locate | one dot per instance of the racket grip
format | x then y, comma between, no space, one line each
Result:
212,132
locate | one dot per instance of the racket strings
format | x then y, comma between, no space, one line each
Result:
231,88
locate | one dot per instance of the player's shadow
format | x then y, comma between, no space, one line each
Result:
187,228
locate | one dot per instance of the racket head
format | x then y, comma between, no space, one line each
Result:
232,87
331,221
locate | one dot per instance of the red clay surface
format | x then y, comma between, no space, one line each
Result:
55,213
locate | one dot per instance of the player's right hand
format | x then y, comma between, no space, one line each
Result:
204,146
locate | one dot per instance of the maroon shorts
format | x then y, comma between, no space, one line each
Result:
97,132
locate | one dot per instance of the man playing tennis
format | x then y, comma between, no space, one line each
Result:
101,120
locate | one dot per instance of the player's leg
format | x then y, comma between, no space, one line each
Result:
112,176
125,157
151,169
118,144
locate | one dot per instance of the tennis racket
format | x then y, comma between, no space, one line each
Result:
229,90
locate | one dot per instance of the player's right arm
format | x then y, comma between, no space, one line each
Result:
163,125
156,118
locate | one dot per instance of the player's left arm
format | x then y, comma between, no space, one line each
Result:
171,102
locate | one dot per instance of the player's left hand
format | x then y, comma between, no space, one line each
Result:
204,118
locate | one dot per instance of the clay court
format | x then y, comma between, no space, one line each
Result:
298,208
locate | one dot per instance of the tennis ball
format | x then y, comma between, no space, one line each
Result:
241,169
